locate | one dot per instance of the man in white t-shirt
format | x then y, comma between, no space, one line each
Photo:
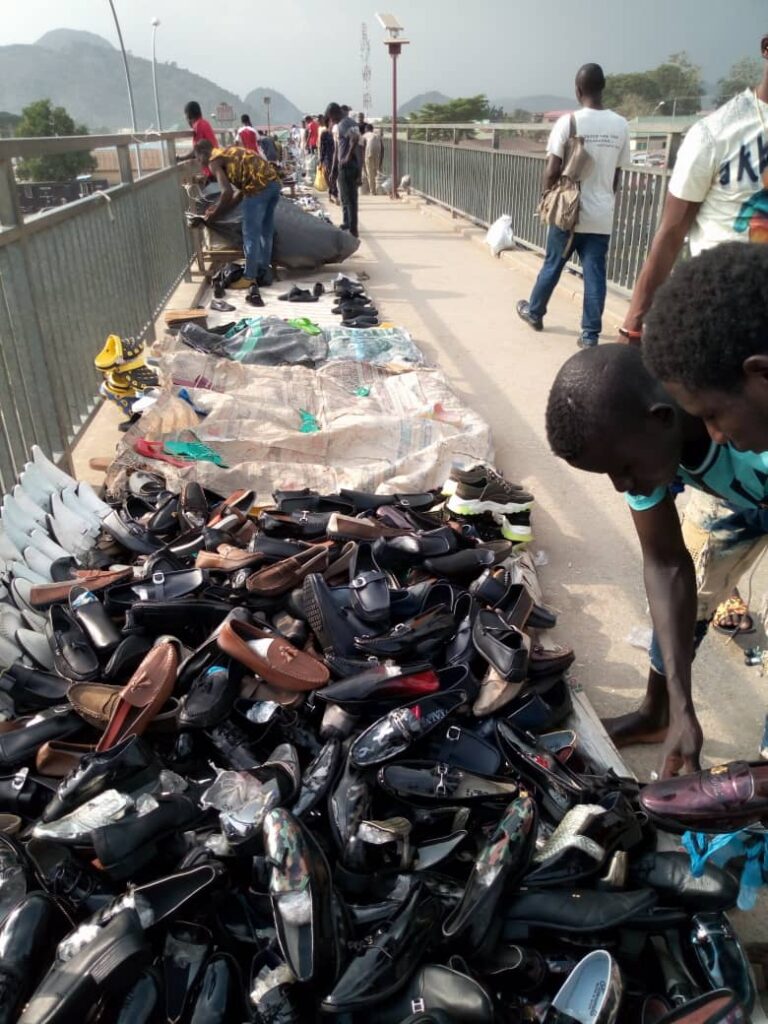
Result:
718,192
606,138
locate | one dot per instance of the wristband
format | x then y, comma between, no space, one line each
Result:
632,335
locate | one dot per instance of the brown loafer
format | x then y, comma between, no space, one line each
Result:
350,528
95,702
228,558
725,798
57,758
283,576
548,661
45,594
279,664
143,696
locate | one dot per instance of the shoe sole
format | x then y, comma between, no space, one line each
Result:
476,507
517,534
314,614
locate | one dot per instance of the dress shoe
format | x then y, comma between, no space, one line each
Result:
592,993
505,647
65,876
73,656
580,911
281,577
389,958
439,988
318,778
21,746
380,683
37,649
95,703
721,958
127,845
127,766
271,657
141,1004
502,861
560,789
92,617
501,590
32,690
418,639
349,803
142,698
220,997
335,627
56,759
541,707
79,977
187,946
272,991
245,802
413,548
721,1007
211,695
725,798
393,734
28,940
301,895
76,827
431,781
669,873
233,746
16,878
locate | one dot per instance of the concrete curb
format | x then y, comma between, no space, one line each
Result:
527,262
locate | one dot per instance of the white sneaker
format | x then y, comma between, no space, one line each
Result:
17,535
72,502
71,532
9,652
43,543
37,647
8,549
38,562
36,484
26,504
51,470
33,620
90,500
10,622
21,571
71,518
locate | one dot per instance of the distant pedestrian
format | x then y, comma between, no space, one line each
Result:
311,135
606,138
327,157
373,150
268,148
246,134
349,166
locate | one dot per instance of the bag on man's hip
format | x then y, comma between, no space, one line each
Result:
560,205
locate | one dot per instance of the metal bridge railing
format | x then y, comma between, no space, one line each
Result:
482,182
72,275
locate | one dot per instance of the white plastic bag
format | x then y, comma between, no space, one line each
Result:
500,235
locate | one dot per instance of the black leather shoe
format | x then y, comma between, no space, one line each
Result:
126,846
349,802
335,628
127,657
233,746
437,988
62,874
368,586
78,979
433,781
412,549
559,788
272,991
91,616
220,997
56,723
301,894
720,957
416,640
505,647
126,766
32,690
141,1004
187,946
502,861
669,873
389,958
318,778
393,734
211,695
28,940
193,507
73,656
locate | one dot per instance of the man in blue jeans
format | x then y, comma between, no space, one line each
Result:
246,176
606,139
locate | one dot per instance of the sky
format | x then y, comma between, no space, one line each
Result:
310,51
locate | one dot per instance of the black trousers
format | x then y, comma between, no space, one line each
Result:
348,186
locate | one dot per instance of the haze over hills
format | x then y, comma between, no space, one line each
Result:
421,100
84,73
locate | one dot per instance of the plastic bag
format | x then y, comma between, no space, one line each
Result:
321,183
500,235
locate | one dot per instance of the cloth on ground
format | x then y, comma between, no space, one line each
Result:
264,341
381,346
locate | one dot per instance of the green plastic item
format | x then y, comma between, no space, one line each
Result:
362,392
303,323
194,450
308,423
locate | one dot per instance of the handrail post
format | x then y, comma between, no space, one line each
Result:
10,209
453,182
124,164
495,137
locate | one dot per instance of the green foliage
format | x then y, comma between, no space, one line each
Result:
672,87
462,110
8,123
43,119
745,73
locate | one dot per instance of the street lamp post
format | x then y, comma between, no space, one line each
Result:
128,84
395,46
155,23
267,104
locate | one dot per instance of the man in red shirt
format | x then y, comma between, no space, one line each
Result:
201,129
312,131
246,134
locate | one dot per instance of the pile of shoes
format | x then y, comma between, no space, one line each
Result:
353,305
309,762
123,362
